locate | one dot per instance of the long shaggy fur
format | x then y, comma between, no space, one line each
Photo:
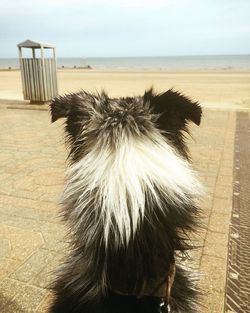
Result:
129,202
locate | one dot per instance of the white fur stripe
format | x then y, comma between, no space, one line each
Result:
119,181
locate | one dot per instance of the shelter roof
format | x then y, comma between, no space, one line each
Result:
34,44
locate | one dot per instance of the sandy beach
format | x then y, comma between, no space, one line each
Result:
223,90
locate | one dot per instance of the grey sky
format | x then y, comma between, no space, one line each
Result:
89,28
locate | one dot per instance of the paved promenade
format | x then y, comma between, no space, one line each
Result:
32,164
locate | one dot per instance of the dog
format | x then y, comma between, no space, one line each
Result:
130,203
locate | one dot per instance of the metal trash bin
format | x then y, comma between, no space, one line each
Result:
39,73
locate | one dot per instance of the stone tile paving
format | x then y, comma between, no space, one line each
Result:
32,163
213,157
238,275
32,159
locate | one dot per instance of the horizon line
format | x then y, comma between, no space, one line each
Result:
144,56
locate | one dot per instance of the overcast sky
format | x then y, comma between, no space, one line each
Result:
94,28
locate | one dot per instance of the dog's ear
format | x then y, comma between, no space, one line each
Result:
61,106
72,108
174,109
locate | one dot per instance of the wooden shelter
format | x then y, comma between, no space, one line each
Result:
39,73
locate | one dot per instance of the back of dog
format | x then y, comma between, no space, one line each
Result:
130,198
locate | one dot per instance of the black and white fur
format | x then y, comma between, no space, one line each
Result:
130,202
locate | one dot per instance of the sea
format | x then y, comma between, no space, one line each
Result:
159,63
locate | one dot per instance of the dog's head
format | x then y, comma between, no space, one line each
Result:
96,119
127,153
